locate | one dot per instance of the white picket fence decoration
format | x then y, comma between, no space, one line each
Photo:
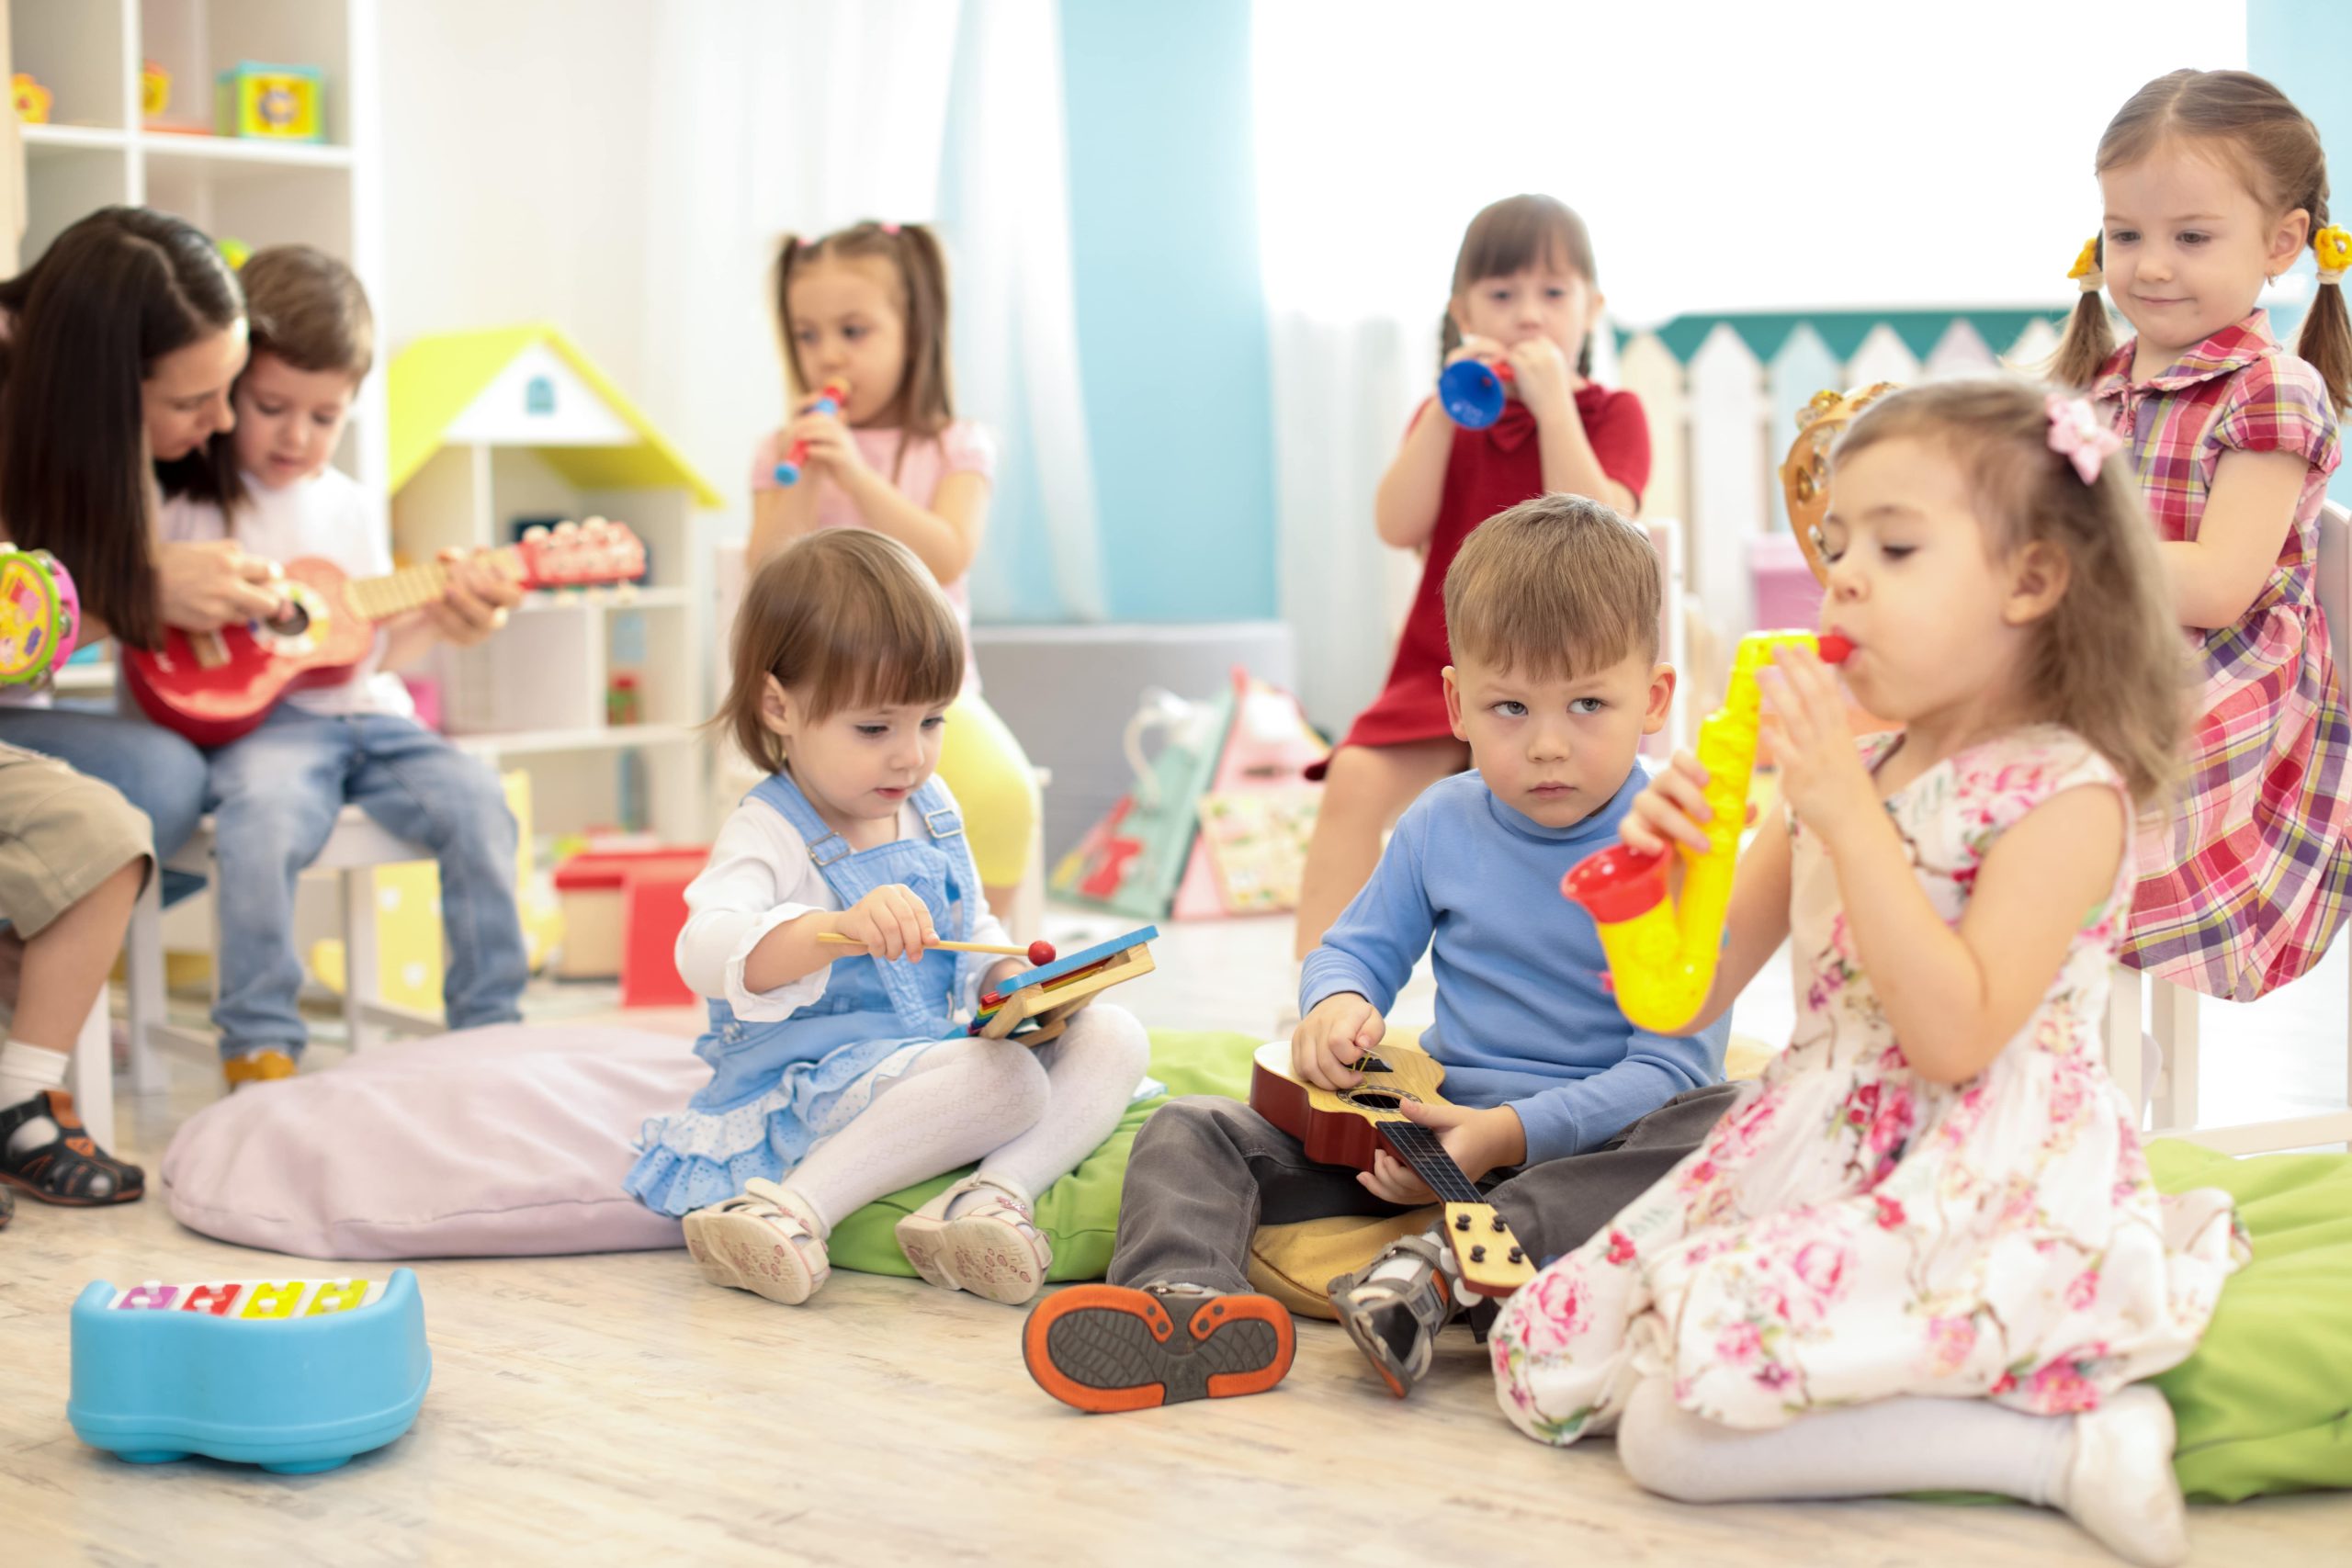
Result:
1721,422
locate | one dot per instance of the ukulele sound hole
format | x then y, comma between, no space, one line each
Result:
293,621
1376,1101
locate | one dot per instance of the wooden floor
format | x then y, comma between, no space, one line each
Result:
613,1409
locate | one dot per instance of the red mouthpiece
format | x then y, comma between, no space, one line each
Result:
1836,649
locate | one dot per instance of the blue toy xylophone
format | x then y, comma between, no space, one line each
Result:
293,1375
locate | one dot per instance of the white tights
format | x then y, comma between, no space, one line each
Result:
2111,1470
1028,1116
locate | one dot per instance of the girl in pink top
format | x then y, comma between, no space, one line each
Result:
866,310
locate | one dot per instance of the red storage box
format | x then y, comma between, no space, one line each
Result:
595,892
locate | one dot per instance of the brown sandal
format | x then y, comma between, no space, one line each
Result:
71,1169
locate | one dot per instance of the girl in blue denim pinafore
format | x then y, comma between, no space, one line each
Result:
779,1088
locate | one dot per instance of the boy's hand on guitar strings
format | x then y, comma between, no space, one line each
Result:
1478,1140
1335,1034
475,602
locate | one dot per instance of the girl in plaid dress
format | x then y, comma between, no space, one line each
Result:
2214,184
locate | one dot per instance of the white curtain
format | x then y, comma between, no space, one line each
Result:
805,115
1726,156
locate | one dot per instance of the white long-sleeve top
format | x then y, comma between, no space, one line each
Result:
760,876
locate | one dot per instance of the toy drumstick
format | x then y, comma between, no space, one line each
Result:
1037,953
828,401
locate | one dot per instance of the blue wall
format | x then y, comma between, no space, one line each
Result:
2306,46
1172,323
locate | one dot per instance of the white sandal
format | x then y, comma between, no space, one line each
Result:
993,1249
759,1241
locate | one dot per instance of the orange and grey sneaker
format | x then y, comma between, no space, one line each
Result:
46,1151
258,1065
1107,1348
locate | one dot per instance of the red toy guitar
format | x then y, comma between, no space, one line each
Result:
214,687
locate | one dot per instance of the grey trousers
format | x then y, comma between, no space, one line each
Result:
1206,1172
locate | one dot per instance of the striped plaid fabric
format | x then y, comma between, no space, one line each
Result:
2245,887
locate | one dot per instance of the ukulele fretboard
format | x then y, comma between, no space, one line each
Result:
412,587
1419,1148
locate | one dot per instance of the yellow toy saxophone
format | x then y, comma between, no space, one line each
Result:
1662,952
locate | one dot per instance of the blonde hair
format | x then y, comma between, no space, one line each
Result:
2107,661
844,617
2275,150
1509,236
1560,586
925,403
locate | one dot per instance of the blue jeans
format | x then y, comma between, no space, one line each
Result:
275,794
155,769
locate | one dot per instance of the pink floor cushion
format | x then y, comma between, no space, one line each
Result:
509,1141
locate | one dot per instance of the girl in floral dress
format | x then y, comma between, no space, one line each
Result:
1929,1230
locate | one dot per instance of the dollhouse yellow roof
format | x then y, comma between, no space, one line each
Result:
532,386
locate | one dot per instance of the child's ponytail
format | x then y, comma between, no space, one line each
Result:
788,256
927,395
2325,341
2089,339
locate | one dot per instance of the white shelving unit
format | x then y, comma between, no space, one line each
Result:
98,150
501,428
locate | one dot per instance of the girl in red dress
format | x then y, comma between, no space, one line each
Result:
1525,294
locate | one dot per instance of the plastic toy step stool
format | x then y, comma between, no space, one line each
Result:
293,1375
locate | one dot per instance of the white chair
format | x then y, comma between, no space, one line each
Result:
91,1075
354,849
2173,1009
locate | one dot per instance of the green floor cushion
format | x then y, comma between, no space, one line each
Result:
2265,1404
1081,1211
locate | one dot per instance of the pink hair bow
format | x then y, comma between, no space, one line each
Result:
2076,435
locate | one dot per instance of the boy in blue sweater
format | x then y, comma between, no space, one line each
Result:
1561,1110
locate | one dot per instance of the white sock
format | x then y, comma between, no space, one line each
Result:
2111,1471
1090,1076
26,1070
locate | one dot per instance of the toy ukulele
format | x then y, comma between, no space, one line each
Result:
40,615
1345,1126
213,687
1044,997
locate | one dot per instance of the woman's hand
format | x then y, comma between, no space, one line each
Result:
203,587
1822,775
475,601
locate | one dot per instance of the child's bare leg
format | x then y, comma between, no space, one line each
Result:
1367,790
63,969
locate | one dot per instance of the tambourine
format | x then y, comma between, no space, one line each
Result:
1804,475
40,615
